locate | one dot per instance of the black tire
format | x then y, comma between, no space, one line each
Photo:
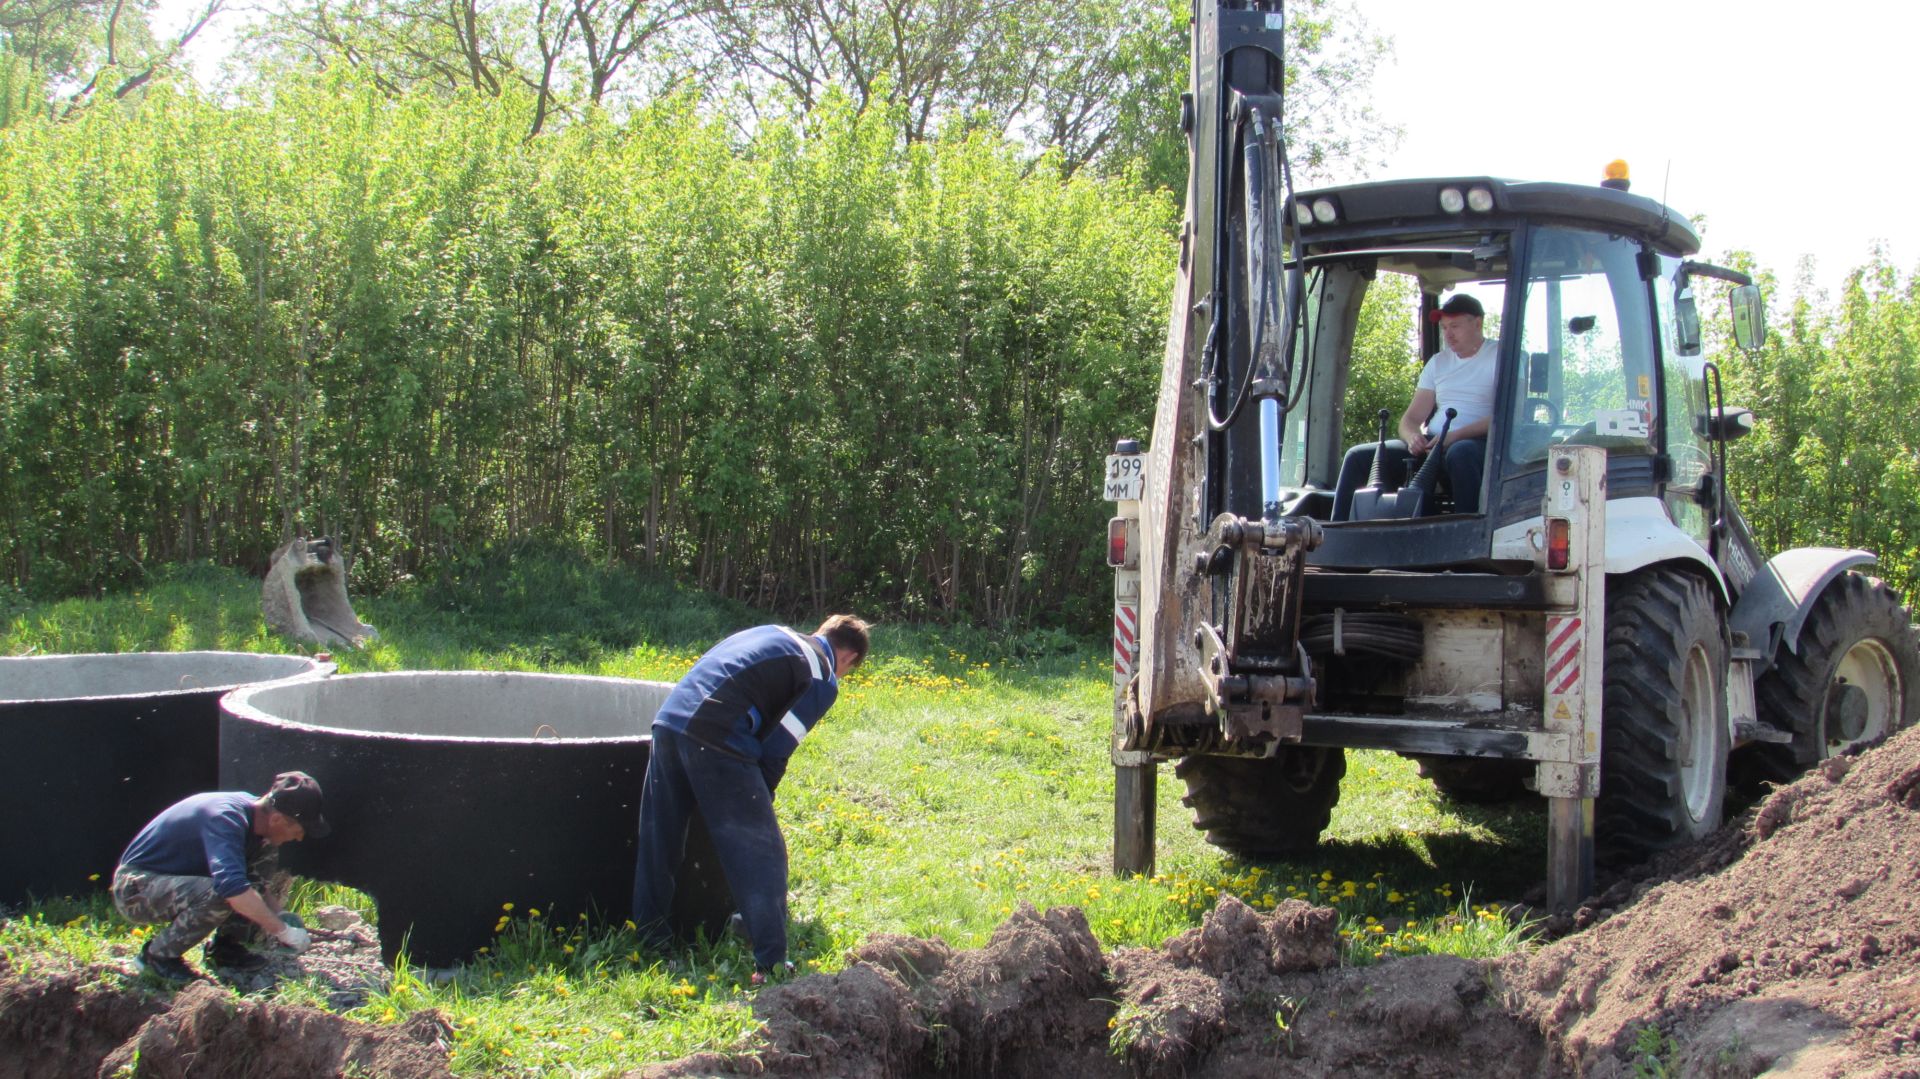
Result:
1475,780
1854,680
1264,809
1663,746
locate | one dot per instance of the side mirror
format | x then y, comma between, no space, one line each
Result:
1686,318
1726,423
1749,317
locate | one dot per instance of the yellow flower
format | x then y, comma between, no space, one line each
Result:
506,906
94,876
533,912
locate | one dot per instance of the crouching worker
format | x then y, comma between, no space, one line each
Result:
209,857
721,741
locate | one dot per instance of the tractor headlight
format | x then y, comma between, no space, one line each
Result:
1451,200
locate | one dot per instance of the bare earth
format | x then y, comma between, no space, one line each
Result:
1787,945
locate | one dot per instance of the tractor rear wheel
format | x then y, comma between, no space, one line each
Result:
1854,680
1663,748
1264,809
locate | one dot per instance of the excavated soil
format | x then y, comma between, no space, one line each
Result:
1786,945
87,1023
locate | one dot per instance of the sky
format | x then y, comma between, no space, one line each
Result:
1789,129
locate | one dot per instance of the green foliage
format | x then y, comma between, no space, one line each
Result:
1386,359
1832,460
824,369
1653,1053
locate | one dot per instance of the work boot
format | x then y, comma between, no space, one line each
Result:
171,971
234,956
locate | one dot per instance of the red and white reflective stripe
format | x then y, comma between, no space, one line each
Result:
1563,652
1124,622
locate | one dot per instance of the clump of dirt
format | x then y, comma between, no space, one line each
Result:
208,1033
64,1023
1246,994
101,1020
1788,943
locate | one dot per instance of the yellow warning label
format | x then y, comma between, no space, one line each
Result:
1560,711
1646,386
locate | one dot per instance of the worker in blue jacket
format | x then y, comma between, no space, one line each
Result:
207,858
721,742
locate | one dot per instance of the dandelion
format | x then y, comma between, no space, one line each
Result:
94,876
533,912
509,906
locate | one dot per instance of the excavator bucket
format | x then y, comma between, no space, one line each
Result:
305,596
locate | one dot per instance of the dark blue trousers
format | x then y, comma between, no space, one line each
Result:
733,799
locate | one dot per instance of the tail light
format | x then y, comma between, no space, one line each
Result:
1120,549
1559,542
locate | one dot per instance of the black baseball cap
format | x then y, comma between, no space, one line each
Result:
1462,304
297,794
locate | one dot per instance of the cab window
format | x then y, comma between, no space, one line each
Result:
1586,351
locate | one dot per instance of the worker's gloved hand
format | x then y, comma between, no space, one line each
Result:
288,917
295,938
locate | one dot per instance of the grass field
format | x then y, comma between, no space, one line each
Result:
962,772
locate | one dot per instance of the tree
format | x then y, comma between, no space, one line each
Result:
72,50
570,53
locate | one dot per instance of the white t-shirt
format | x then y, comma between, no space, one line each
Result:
1465,385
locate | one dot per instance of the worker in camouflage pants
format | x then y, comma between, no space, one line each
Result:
209,857
188,909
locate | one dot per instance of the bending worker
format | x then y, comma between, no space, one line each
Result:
208,857
721,742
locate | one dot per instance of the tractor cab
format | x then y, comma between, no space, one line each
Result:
1591,333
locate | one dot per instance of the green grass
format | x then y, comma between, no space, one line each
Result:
963,772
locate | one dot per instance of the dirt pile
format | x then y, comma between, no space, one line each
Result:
1246,994
1788,944
88,1022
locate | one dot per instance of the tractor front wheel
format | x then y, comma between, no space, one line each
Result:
1853,680
1263,809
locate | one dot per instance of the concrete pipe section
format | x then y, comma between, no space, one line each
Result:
92,746
452,793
